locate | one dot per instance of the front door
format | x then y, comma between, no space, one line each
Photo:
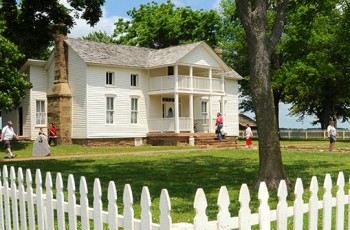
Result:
168,110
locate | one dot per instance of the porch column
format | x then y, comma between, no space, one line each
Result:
210,103
177,123
191,78
191,113
210,115
223,109
176,96
222,82
211,80
176,77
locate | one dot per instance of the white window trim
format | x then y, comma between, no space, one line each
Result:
43,114
134,111
106,109
137,80
113,79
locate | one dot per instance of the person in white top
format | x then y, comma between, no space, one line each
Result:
248,137
332,133
7,135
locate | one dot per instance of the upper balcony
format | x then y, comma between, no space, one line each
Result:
184,83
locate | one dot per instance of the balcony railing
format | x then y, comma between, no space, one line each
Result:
200,84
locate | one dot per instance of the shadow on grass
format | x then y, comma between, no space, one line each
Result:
181,174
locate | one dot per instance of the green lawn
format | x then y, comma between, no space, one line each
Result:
183,172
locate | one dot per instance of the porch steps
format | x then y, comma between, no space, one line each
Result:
211,141
201,140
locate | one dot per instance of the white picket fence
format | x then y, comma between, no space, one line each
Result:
22,208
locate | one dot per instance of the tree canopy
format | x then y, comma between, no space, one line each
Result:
32,24
316,60
27,31
308,65
13,85
164,25
99,37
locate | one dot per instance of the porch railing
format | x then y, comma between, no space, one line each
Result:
168,124
201,84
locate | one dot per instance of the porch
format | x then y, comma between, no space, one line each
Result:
202,140
167,125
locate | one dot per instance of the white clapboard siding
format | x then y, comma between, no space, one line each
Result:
21,208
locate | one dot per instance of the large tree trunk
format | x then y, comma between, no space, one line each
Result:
253,18
271,168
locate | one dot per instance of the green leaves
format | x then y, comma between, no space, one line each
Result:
164,25
13,85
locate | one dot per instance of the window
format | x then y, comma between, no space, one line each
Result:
134,111
204,110
109,78
170,70
134,80
40,112
109,110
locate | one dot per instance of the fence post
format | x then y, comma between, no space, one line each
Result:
313,204
340,202
200,205
298,205
327,203
244,213
282,206
165,219
14,202
264,208
223,204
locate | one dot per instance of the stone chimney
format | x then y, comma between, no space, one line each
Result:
59,98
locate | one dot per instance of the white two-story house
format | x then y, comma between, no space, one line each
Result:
127,93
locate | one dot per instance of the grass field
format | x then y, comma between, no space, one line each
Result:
182,172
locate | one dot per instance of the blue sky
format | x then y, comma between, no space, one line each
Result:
114,9
120,8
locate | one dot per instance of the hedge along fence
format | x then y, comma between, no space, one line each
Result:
21,208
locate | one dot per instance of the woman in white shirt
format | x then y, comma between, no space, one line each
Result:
332,133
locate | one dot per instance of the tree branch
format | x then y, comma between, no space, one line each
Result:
278,24
244,12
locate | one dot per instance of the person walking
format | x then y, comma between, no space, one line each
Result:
219,125
248,137
7,135
332,133
53,134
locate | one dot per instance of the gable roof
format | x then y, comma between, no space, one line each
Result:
131,56
102,53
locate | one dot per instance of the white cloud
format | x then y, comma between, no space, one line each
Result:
81,28
106,24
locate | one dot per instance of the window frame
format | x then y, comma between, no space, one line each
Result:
134,80
134,110
110,78
204,114
110,109
40,112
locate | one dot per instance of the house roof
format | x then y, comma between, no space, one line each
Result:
102,53
244,120
133,56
